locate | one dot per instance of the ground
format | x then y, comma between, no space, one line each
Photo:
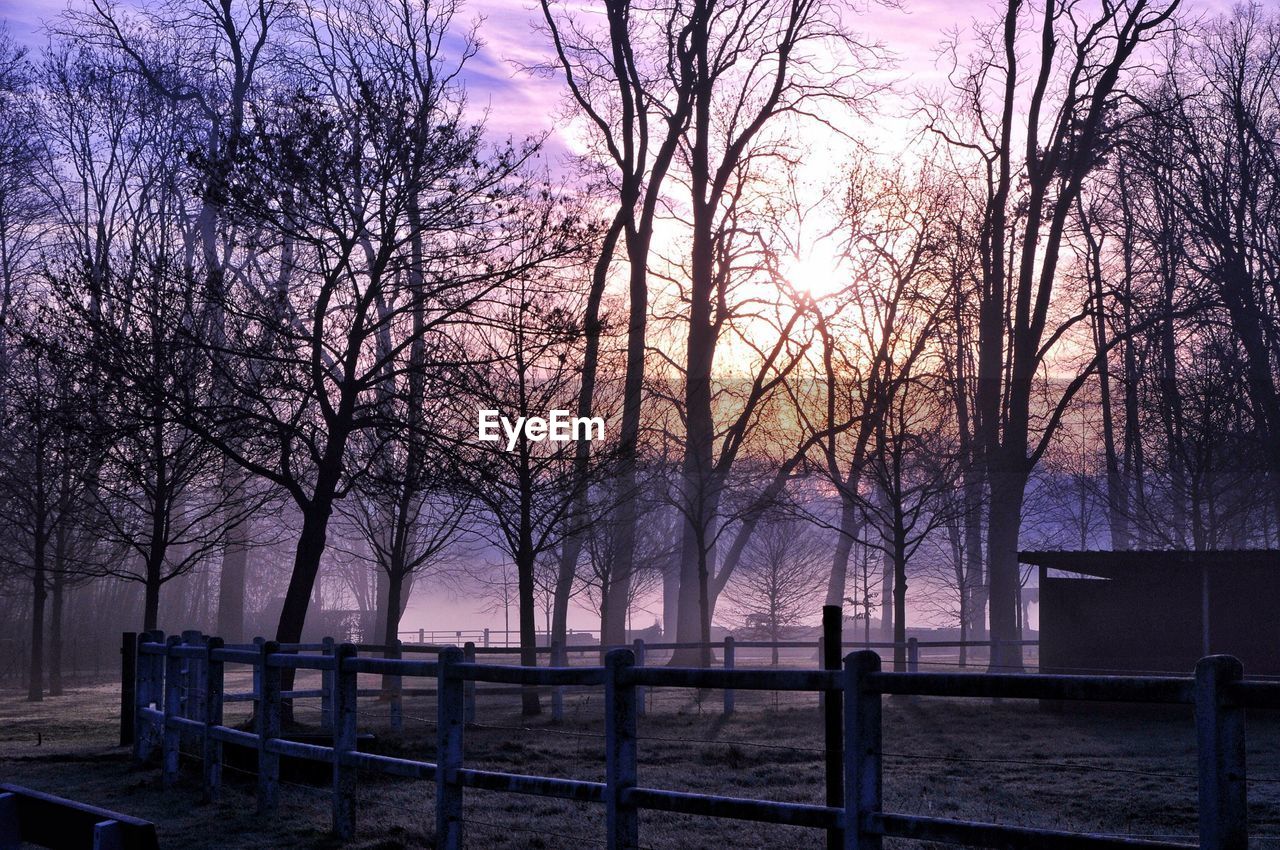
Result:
1009,762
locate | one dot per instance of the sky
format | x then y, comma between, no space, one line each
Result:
518,104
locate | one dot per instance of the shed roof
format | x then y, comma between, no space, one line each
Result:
1114,563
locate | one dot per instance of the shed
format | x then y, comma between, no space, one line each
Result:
1157,611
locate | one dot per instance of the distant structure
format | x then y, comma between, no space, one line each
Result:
1157,611
337,623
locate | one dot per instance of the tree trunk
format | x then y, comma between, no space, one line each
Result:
55,631
35,675
306,566
530,703
624,529
231,582
849,528
151,595
571,547
887,574
975,580
670,600
391,633
899,598
382,603
1008,488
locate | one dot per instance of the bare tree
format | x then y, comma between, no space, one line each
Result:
208,59
778,584
523,356
757,64
1029,177
636,117
42,487
912,469
369,155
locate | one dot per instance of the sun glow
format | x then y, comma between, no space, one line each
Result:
816,273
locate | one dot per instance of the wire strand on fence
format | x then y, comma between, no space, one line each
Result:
1035,763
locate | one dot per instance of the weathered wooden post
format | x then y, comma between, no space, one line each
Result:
257,669
397,689
193,676
150,692
728,665
913,655
128,686
193,686
637,649
10,827
622,824
486,637
862,763
211,746
469,686
108,835
170,734
267,723
1224,823
559,658
326,686
833,711
141,699
451,723
344,741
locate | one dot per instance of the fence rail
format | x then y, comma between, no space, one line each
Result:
179,691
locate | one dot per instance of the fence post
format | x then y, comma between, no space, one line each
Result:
196,701
326,687
150,690
637,649
10,828
128,686
1224,823
397,689
107,835
257,670
728,665
344,742
558,659
267,721
833,720
622,824
170,734
212,746
913,655
486,637
862,764
422,636
142,699
449,730
469,686
193,679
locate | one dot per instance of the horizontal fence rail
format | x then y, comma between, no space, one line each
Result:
179,692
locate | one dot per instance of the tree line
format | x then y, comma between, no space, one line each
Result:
263,263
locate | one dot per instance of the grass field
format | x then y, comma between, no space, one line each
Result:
1007,762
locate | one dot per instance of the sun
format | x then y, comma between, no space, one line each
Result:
816,273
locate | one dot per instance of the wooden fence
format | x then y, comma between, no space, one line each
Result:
30,818
394,691
179,690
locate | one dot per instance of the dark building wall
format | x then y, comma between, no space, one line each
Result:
1147,615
